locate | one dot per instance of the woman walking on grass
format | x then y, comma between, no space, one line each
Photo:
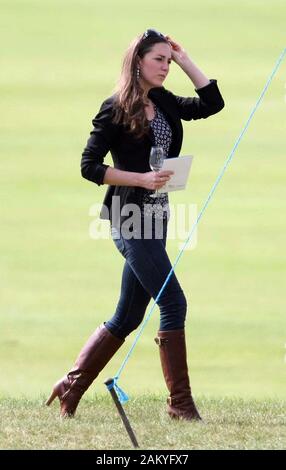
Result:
140,115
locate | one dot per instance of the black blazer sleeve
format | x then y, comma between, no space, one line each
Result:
209,102
99,143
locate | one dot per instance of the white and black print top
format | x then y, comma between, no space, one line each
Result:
158,207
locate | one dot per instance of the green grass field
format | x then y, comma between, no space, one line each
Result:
228,424
60,61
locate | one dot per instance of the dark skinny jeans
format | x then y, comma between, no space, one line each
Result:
145,269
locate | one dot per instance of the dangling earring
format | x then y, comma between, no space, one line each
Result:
138,73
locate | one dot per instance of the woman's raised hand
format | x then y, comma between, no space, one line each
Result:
178,52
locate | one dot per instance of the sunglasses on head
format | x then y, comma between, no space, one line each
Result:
152,33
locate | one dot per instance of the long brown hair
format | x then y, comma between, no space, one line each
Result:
130,98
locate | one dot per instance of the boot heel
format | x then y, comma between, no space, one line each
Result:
53,395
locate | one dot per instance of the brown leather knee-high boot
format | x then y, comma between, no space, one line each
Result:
94,356
173,355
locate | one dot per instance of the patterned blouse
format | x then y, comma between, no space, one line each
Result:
158,207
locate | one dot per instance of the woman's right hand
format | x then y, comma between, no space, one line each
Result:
155,179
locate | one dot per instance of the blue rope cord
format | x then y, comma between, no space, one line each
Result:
193,228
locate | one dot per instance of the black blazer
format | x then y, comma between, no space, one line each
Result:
132,154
